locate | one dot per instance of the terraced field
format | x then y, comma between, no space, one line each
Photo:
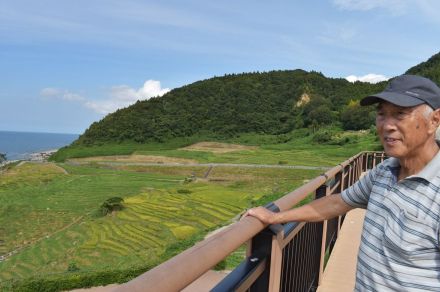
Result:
48,212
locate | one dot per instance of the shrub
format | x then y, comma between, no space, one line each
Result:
322,136
373,131
220,266
72,268
110,205
356,117
184,191
2,157
189,179
343,139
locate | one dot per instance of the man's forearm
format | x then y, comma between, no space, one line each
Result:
317,210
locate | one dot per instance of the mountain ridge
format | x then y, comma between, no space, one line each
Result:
261,103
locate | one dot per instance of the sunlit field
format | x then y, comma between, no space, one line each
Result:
50,221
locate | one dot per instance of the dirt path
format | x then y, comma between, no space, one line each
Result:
11,253
114,163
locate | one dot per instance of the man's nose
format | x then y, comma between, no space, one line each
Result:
389,123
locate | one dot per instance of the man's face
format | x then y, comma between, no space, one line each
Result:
403,131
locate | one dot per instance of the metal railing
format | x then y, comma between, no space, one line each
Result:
282,257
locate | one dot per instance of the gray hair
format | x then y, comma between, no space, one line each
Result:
427,111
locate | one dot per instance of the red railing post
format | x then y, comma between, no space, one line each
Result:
321,192
276,261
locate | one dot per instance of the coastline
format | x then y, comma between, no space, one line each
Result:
4,163
32,146
40,156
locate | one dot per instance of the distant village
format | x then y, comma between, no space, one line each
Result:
41,156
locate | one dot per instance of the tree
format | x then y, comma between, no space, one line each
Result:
2,157
110,205
317,111
356,117
322,115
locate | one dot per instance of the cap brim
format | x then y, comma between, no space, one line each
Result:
392,97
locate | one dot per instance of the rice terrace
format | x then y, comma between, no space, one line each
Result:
52,227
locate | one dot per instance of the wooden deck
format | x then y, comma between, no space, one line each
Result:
339,274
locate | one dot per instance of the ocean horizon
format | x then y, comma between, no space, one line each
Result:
20,145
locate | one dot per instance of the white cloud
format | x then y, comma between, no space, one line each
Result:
122,96
370,78
119,96
150,89
396,7
50,92
72,96
336,34
430,9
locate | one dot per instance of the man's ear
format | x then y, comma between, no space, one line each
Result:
435,120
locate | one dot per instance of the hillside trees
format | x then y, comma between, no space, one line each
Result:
429,69
357,117
317,111
221,107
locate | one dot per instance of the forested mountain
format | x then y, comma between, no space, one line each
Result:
273,102
429,69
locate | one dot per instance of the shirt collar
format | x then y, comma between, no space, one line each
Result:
429,172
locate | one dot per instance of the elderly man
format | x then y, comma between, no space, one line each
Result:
399,248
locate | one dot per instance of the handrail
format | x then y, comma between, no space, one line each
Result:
181,270
195,261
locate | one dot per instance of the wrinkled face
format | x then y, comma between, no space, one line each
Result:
403,131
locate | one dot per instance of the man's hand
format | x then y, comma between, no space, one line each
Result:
264,215
318,210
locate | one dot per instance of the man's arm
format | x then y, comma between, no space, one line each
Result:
318,210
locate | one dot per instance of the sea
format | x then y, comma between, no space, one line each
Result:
20,145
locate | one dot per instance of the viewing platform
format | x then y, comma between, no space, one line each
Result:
283,257
340,271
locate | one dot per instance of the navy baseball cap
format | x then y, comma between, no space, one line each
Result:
407,91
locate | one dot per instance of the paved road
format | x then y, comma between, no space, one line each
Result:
114,163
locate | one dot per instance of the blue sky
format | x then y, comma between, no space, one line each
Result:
66,64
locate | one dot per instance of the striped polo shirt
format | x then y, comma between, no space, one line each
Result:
399,248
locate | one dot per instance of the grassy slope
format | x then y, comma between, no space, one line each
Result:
295,148
36,201
52,211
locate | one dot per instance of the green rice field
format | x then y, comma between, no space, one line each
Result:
49,218
51,228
